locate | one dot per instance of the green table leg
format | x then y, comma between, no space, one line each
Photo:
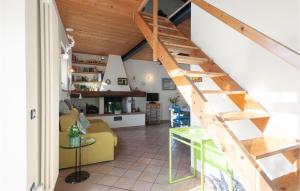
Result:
231,181
171,181
195,161
202,167
170,158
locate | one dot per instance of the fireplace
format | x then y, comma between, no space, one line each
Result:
110,103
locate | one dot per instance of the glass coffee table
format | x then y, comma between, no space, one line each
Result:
78,175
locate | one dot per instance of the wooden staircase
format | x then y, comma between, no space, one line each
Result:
173,49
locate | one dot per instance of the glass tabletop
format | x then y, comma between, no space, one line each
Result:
193,133
68,144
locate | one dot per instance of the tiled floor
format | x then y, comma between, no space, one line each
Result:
141,164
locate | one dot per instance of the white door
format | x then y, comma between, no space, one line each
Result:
50,59
33,93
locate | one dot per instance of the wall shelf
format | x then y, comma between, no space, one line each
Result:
75,94
94,73
81,82
87,64
111,114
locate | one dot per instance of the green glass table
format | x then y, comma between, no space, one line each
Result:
78,175
204,150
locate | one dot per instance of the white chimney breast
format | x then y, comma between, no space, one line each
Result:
114,70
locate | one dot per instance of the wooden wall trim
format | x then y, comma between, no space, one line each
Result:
290,56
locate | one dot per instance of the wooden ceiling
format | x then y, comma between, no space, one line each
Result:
101,27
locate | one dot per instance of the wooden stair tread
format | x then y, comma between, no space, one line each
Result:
204,74
223,92
267,146
150,20
241,115
189,59
180,45
173,36
289,182
149,16
164,27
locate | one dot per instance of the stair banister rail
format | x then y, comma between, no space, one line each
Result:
285,53
142,5
155,29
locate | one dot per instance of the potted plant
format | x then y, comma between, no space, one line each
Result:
174,100
74,136
117,108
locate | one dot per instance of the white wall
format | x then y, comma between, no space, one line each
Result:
59,37
148,77
114,70
271,81
13,113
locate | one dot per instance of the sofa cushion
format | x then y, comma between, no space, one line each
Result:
63,107
69,103
98,126
67,120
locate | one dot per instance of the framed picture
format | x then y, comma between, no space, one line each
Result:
122,81
168,84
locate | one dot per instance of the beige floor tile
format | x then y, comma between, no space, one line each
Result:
138,167
152,169
124,183
61,185
117,172
65,172
99,188
104,169
157,162
94,178
148,176
148,155
116,189
141,186
83,186
162,179
159,187
90,168
124,164
108,180
144,160
132,174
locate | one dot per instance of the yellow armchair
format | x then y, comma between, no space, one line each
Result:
102,150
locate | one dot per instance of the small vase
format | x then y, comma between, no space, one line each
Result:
74,141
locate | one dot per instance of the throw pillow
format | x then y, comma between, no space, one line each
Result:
63,107
68,102
84,121
81,128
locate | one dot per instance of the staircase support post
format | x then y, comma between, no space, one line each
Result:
155,28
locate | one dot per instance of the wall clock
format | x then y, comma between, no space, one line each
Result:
107,81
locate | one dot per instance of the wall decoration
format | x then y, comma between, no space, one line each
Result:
107,81
122,81
197,79
168,84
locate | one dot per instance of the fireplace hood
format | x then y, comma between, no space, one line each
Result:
114,70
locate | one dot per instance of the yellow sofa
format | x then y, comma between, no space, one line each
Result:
102,150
